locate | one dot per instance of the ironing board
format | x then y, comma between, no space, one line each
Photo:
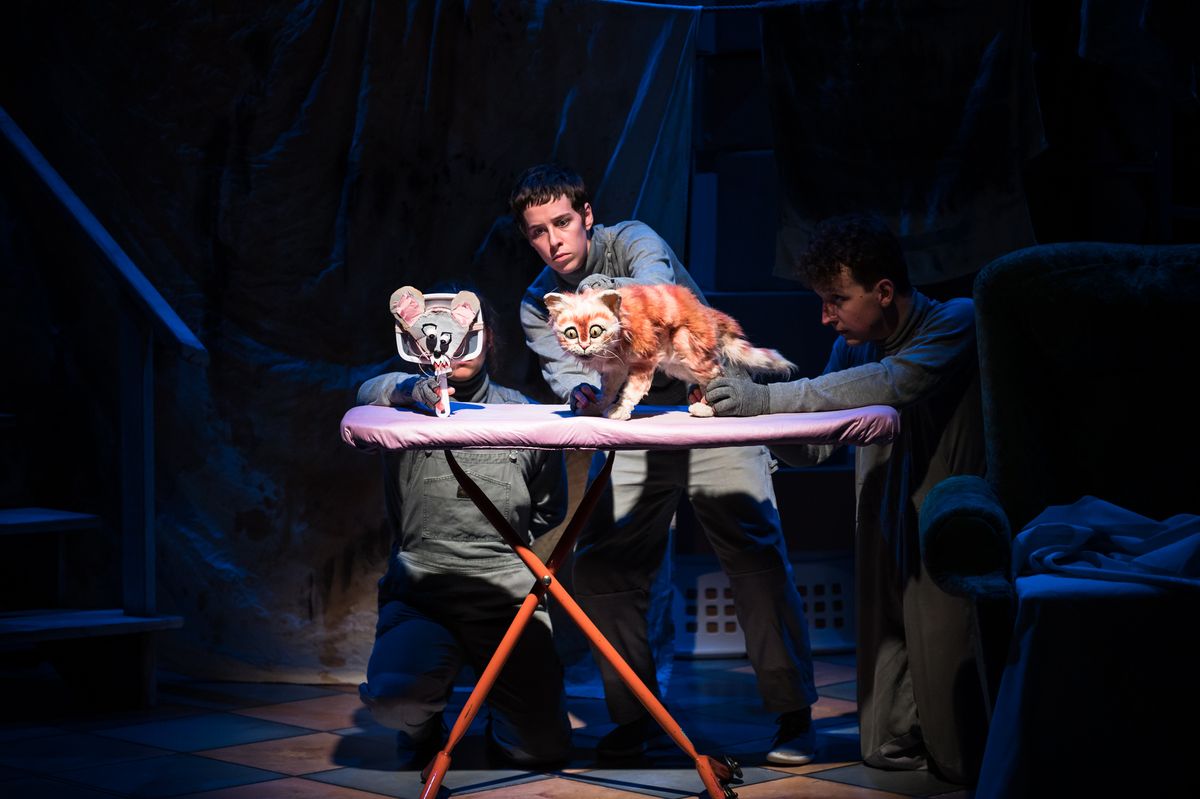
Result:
482,426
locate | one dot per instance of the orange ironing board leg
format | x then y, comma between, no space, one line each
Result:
714,773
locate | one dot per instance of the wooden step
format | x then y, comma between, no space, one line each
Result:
19,521
32,626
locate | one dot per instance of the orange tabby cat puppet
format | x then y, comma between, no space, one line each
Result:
627,333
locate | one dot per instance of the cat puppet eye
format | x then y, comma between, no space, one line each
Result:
571,333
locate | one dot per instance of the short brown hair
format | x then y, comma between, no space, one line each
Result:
543,184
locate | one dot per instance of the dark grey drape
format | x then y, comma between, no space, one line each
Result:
923,111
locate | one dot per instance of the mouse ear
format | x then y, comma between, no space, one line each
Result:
406,305
464,308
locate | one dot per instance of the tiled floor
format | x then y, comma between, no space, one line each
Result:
252,741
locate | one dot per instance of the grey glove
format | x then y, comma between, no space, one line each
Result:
597,283
732,396
417,389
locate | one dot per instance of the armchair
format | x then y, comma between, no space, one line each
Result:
1087,353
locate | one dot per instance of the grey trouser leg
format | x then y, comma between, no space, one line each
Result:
411,670
734,500
617,555
415,659
945,679
528,708
624,545
919,698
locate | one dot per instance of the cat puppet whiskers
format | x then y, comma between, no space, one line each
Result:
626,334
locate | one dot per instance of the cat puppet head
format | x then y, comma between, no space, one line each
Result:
588,324
437,329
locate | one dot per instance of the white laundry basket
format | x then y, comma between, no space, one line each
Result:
706,623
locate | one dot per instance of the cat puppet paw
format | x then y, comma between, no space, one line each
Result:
701,409
618,412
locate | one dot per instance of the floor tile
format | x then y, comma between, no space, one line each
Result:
208,731
57,753
838,727
835,749
825,712
287,788
695,691
558,788
369,729
93,722
669,783
17,732
821,763
332,712
166,776
402,785
910,783
808,788
230,695
279,741
827,673
47,788
841,690
722,668
832,708
306,754
718,734
407,784
845,659
830,752
464,781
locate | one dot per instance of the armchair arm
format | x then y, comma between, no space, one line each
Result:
966,541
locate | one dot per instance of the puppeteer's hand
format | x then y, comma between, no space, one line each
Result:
419,391
597,283
732,396
583,399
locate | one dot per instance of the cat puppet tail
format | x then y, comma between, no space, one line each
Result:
739,352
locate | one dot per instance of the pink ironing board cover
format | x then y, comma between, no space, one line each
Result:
480,426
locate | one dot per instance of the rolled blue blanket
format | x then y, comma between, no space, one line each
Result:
965,539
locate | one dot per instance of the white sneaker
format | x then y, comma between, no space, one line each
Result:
796,742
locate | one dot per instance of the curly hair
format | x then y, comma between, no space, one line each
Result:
863,244
543,184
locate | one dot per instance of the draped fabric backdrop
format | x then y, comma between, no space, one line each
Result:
277,170
924,112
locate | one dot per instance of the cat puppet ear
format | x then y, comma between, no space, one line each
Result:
553,301
611,298
406,304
